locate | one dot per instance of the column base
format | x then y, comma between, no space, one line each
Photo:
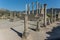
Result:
25,35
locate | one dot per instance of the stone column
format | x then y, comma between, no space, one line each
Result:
39,7
28,8
38,25
36,8
41,10
14,14
55,16
15,17
58,18
11,16
45,15
51,15
32,7
25,27
48,21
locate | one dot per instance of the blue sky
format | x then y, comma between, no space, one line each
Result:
19,5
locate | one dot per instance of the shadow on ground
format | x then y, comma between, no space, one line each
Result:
32,29
54,34
18,33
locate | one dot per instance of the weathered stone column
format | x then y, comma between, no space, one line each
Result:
41,10
11,16
51,15
14,14
36,8
25,26
58,19
45,15
55,16
48,21
28,9
15,17
32,7
39,7
38,25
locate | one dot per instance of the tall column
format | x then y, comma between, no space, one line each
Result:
45,15
28,8
25,27
51,15
39,7
36,8
55,16
32,7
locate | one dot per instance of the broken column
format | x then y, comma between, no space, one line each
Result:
32,7
45,16
25,26
38,25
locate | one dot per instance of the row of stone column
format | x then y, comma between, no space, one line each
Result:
38,23
38,8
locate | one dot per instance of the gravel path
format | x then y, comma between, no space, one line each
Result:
14,30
